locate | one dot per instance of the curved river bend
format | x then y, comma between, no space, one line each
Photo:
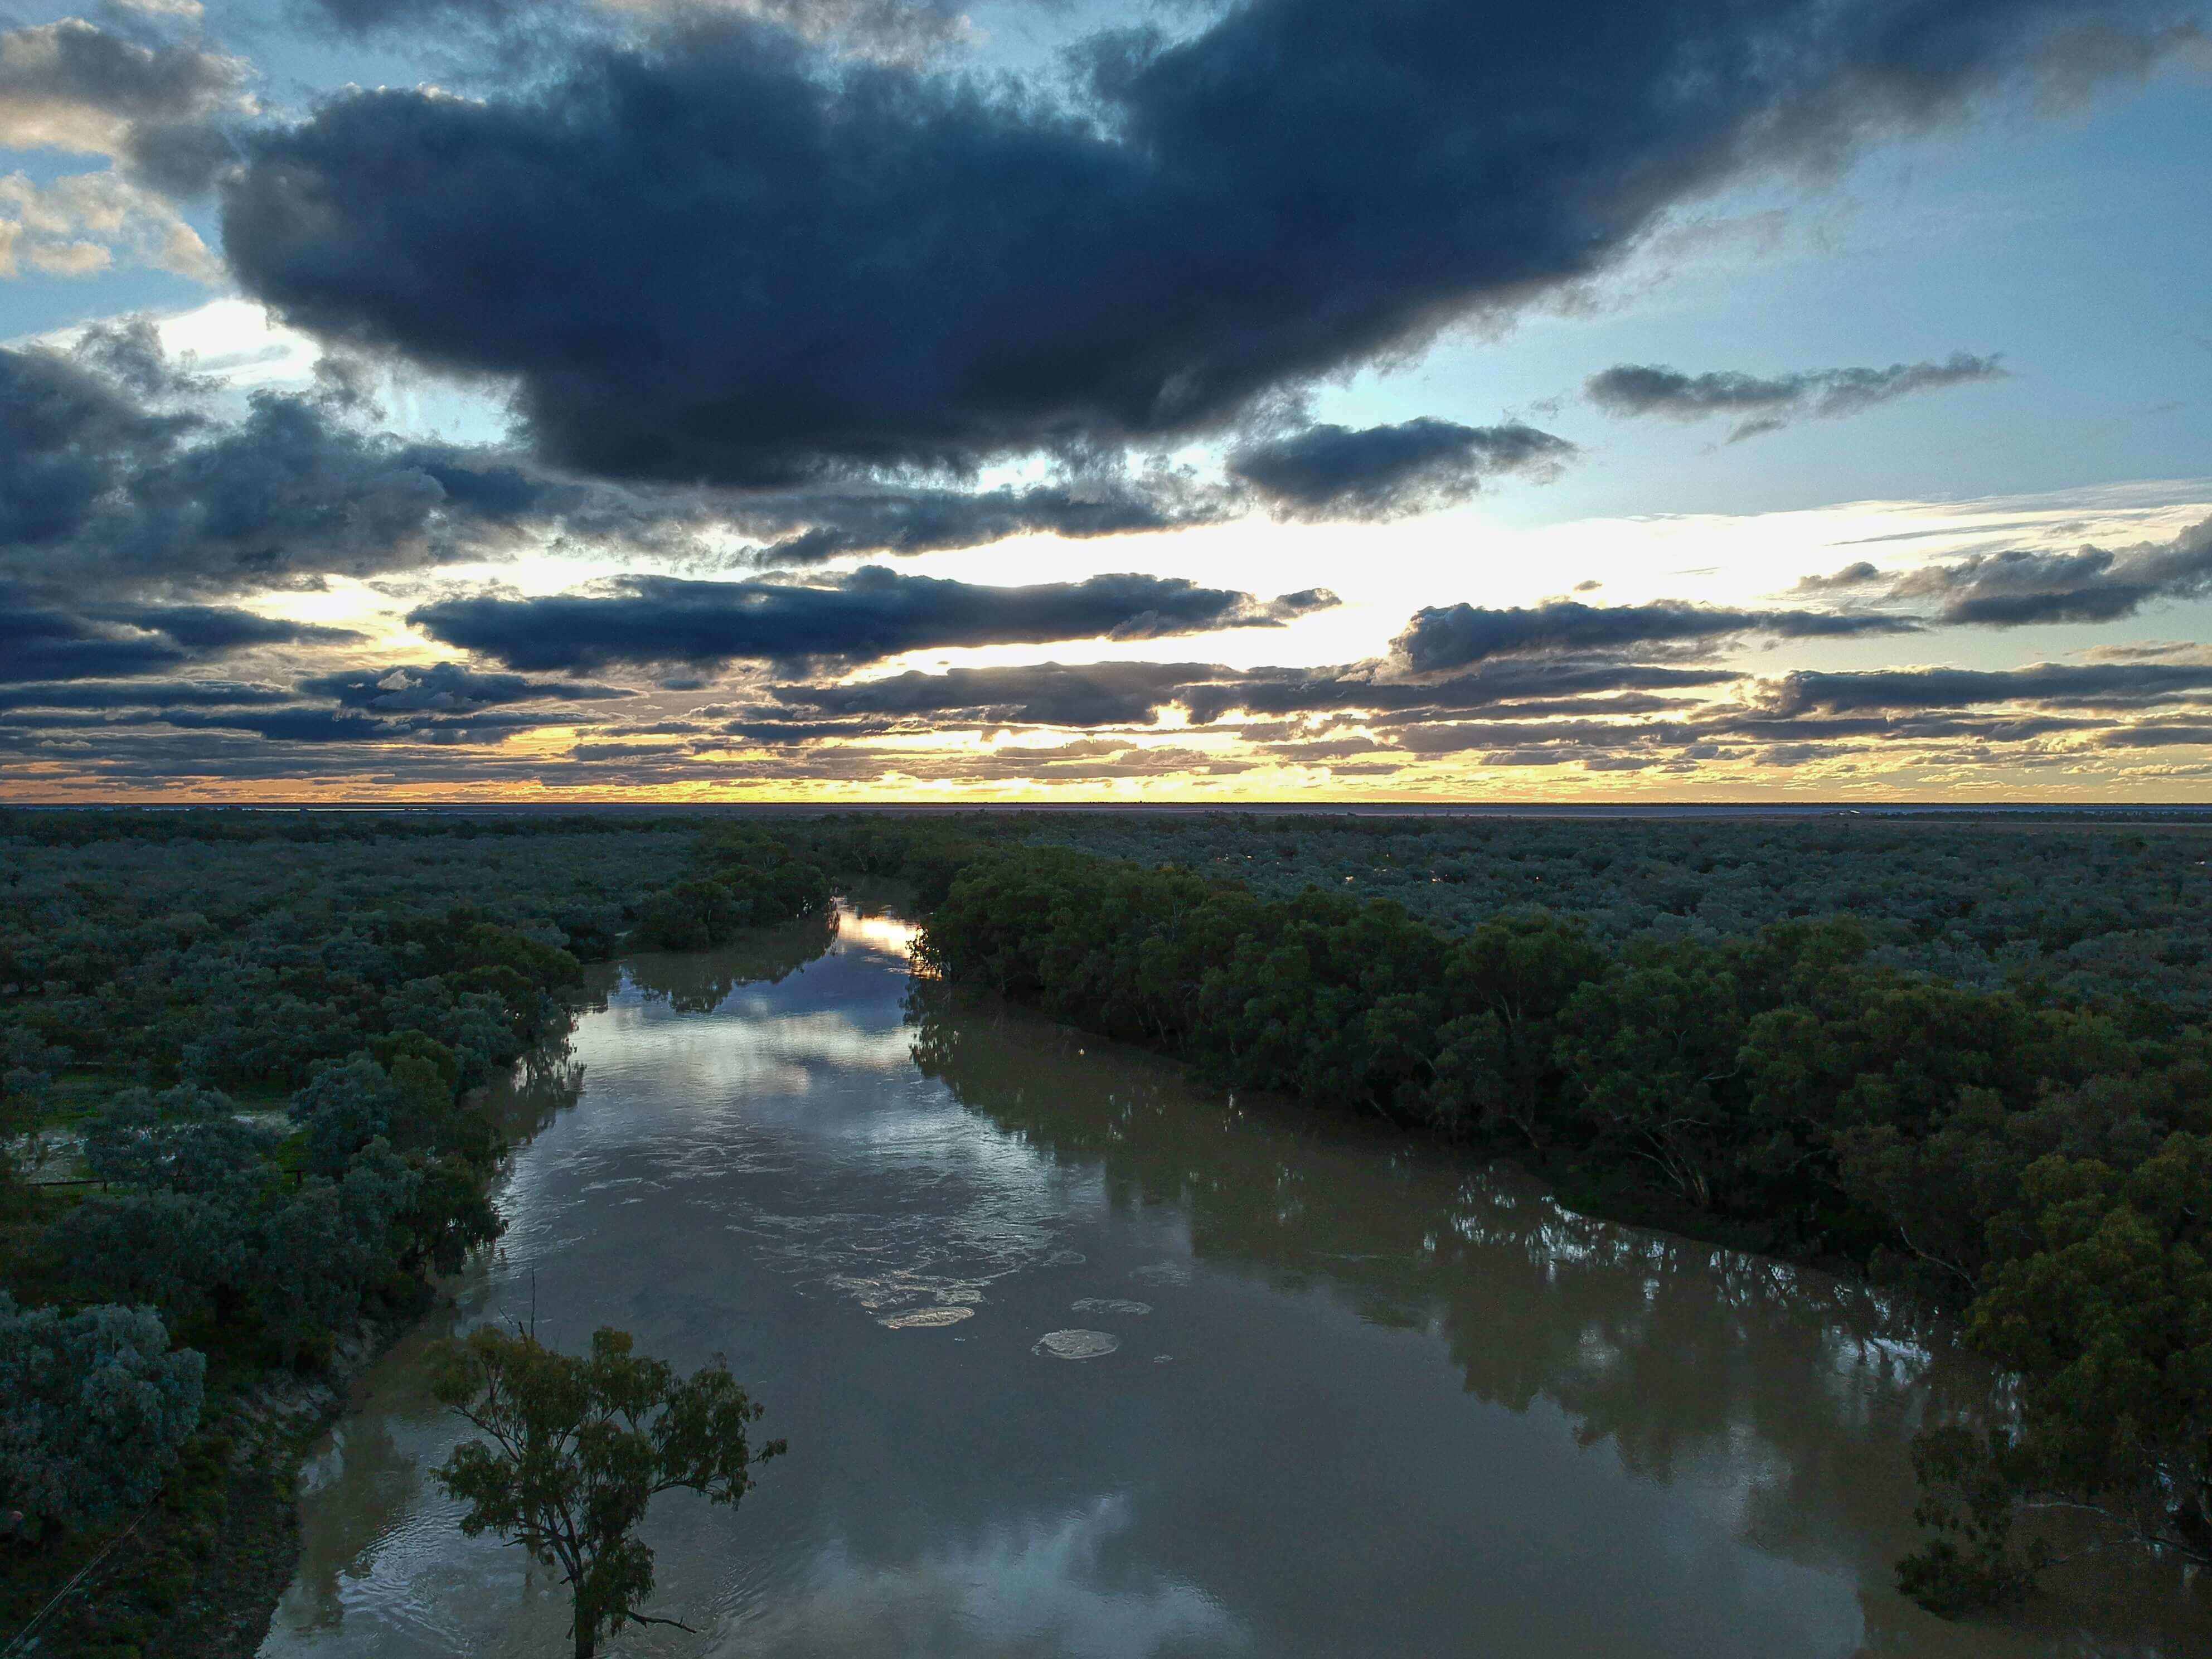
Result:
1077,1360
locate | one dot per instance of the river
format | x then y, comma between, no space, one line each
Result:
1075,1359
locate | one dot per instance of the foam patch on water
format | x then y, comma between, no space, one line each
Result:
925,1318
1076,1344
946,1301
1163,1272
1108,1304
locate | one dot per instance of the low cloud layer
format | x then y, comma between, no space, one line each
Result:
870,614
1767,404
812,527
1452,636
447,688
2018,587
43,641
1388,472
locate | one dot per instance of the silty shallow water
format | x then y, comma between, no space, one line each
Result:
1076,1359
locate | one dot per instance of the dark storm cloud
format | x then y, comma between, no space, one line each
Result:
1767,404
1286,691
66,433
447,687
39,644
2018,586
1451,636
2093,684
2170,736
896,29
771,264
1386,471
1860,574
871,613
302,723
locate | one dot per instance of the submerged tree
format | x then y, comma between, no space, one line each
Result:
580,1447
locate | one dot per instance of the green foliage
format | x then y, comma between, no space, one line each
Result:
189,1255
2104,912
2100,1302
1856,1040
577,1448
752,879
94,1410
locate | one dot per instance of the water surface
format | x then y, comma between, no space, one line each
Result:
1075,1359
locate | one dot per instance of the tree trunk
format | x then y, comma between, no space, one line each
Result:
586,1640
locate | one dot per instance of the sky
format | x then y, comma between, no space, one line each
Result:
1059,400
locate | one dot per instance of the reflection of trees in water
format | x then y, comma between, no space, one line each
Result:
372,1493
700,982
548,1079
1800,1390
1793,1390
544,1083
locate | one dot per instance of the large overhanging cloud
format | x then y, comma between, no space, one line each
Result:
871,613
724,256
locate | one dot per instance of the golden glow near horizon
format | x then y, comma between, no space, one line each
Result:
1745,560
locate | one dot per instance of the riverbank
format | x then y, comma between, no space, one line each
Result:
198,1576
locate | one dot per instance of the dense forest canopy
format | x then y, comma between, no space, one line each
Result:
243,1054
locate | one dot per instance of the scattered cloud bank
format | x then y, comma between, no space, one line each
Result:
1452,636
1767,404
158,111
2016,587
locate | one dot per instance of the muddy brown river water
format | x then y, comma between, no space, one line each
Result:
1075,1359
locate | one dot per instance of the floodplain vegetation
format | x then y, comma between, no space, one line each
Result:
1967,1058
243,1057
